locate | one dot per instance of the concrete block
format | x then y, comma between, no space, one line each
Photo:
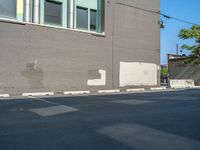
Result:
185,83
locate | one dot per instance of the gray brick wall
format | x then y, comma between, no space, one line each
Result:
35,58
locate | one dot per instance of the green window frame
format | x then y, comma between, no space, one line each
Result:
93,23
87,4
92,5
19,11
63,15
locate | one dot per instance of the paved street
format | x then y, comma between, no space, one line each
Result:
140,121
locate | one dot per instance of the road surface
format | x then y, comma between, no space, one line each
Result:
140,121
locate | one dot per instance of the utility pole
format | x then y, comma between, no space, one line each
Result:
177,49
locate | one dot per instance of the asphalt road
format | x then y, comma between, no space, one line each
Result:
143,121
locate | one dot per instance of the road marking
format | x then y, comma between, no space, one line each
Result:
143,137
53,110
133,102
126,101
39,99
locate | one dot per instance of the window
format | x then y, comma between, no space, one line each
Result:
53,12
8,8
79,14
90,15
93,20
82,18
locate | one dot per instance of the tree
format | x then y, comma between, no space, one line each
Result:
194,34
164,71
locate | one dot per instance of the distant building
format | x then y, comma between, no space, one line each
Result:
56,45
179,70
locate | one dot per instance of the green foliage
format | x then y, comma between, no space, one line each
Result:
194,34
164,71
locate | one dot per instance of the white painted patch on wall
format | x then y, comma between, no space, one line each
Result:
138,74
98,82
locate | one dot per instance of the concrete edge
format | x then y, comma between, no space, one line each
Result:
4,95
158,88
38,94
108,91
76,92
196,87
135,90
185,87
181,88
90,93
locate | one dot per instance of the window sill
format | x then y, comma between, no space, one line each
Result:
13,21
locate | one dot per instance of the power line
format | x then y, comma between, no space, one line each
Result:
131,6
178,19
159,13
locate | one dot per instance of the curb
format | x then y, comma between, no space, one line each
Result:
108,91
76,92
158,88
4,95
192,87
135,90
38,94
79,93
196,87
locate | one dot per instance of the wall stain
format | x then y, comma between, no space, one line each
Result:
34,75
93,74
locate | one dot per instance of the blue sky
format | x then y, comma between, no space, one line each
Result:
184,9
